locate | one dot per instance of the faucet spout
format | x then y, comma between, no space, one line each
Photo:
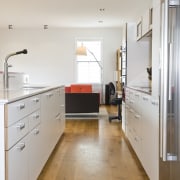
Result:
6,66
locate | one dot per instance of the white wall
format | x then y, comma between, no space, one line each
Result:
138,58
51,52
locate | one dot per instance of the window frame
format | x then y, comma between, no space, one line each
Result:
101,59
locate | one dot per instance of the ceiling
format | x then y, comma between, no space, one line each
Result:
70,13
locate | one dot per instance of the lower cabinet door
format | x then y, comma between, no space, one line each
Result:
17,161
36,162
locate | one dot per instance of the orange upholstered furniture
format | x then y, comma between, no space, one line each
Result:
81,99
80,88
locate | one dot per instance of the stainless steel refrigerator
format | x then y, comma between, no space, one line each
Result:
170,91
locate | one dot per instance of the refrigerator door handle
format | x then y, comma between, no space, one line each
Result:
169,83
164,81
170,70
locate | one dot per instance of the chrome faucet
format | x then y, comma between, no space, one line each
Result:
6,66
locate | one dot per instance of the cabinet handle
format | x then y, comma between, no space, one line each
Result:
58,116
21,106
136,139
137,95
131,110
49,95
132,102
154,102
21,126
137,116
145,98
36,100
36,116
20,146
62,105
36,131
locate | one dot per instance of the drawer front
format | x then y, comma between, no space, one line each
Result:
19,109
34,119
34,103
16,132
17,161
15,111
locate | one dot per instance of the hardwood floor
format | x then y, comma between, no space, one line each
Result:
93,149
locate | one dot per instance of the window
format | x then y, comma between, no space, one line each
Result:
89,68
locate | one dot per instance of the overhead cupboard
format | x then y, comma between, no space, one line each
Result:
144,24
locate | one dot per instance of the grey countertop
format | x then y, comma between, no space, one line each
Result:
146,90
11,95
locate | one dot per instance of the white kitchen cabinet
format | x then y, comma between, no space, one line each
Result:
36,162
17,161
146,133
16,111
139,29
62,109
150,136
133,119
47,113
144,24
147,21
16,132
50,111
142,129
34,119
32,128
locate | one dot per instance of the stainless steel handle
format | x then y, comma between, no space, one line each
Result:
36,131
131,110
49,95
36,116
20,146
21,106
145,98
137,116
58,116
36,100
164,82
131,101
21,126
137,95
170,70
154,102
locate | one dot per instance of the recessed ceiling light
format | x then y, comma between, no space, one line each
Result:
102,9
45,26
10,26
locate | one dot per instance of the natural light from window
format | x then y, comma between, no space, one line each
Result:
88,69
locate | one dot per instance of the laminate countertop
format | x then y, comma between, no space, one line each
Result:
11,95
146,90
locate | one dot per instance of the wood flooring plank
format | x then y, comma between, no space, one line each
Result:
93,149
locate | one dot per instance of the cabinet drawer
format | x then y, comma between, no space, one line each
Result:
34,103
34,119
15,111
16,132
17,161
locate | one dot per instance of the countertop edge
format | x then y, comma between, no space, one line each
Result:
27,93
139,89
